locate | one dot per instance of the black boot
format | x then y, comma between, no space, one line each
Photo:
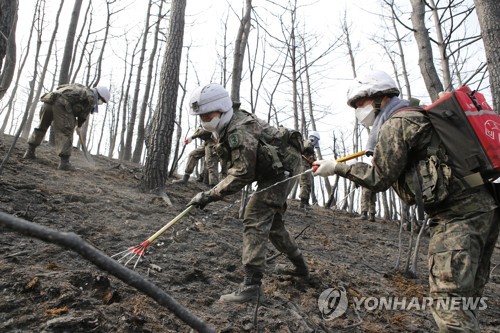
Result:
65,165
299,267
249,290
363,217
183,180
30,153
372,217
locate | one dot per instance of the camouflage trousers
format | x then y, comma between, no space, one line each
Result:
305,184
368,200
263,220
63,124
460,250
211,162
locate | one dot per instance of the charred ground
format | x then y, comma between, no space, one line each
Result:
46,288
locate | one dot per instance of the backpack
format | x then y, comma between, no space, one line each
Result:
469,129
278,150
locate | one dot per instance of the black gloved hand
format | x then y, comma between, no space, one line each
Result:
369,153
201,200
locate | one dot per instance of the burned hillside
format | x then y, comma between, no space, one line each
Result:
47,288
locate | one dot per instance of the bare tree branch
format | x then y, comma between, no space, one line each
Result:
73,242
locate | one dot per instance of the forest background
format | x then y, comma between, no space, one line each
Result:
289,62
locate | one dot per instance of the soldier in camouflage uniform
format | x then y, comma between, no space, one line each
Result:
464,218
308,157
206,149
368,201
250,147
63,108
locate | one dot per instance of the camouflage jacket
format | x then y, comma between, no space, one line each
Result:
75,98
402,144
240,147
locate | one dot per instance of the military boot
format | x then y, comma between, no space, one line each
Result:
248,291
183,180
372,217
65,165
363,217
30,153
298,267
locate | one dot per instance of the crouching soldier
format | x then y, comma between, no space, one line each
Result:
63,108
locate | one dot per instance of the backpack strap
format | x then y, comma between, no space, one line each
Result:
418,194
434,146
432,150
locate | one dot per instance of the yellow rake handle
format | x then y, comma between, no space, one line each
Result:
350,157
342,159
169,224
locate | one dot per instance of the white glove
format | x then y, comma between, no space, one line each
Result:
324,168
78,130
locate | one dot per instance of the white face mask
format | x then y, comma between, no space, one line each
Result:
366,115
211,125
99,101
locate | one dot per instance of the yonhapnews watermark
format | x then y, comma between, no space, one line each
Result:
333,303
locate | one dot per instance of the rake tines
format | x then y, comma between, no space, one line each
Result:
129,254
140,250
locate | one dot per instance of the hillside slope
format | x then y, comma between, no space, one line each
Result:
45,288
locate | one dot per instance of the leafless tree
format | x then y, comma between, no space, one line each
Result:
426,58
125,103
390,38
122,106
175,160
158,154
127,153
357,131
8,24
70,39
22,63
488,13
38,22
142,115
34,102
239,51
84,34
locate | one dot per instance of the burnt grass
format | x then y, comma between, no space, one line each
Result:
47,288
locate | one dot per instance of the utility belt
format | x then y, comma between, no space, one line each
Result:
475,181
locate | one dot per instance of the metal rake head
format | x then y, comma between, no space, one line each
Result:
129,254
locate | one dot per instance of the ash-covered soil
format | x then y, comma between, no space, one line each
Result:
46,288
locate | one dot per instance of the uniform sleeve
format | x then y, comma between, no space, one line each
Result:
241,171
396,138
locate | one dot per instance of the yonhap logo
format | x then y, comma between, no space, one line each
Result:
333,303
